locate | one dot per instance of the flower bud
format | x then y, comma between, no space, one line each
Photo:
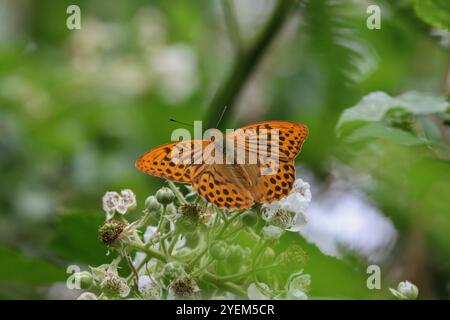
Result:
219,250
171,271
237,254
171,212
152,204
87,296
84,279
110,231
249,218
405,291
165,196
184,287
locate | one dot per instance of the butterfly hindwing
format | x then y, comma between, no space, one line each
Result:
278,185
217,184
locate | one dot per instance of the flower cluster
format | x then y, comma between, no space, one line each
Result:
181,247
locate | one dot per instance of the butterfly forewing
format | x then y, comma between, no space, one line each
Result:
176,161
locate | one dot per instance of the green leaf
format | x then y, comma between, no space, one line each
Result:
434,12
76,238
375,130
374,106
18,268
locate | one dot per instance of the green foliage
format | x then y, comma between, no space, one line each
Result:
76,238
17,267
434,12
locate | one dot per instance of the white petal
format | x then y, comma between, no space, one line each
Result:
254,293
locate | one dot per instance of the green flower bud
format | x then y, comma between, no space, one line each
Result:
171,212
249,218
110,231
152,204
219,250
171,271
165,195
84,279
237,254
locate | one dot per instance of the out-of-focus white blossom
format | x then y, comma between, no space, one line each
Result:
344,221
174,69
114,202
258,291
405,291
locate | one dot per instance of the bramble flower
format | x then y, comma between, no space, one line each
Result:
183,287
121,203
87,296
149,288
258,291
114,285
288,213
405,291
108,279
177,241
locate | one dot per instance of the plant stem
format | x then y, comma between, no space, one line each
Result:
150,252
177,192
245,63
225,285
232,23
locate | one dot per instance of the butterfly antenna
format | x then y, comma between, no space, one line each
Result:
180,122
221,116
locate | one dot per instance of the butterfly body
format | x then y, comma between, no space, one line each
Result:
227,179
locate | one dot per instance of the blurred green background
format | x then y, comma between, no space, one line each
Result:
77,107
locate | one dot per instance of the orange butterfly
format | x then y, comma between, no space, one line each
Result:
239,184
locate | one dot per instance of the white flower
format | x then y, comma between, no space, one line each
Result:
175,69
299,282
110,201
148,287
405,291
288,213
296,295
259,291
272,232
108,279
128,198
121,203
87,296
